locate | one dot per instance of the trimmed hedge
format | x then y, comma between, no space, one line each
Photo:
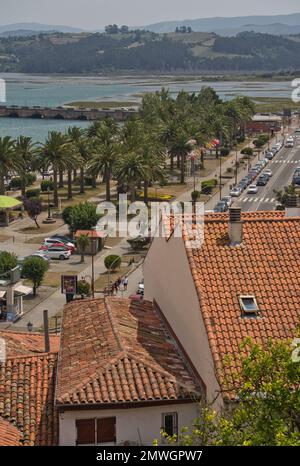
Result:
45,184
33,192
247,151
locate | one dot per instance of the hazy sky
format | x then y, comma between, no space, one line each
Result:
94,14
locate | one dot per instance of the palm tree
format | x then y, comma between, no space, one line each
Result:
25,151
82,242
181,146
104,153
129,169
74,136
8,160
55,153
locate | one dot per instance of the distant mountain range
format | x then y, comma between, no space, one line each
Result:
275,24
224,26
34,28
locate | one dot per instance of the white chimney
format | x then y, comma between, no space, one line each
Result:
235,229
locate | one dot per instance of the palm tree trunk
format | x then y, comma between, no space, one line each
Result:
82,191
146,191
70,193
178,161
107,181
172,163
55,188
2,185
23,186
61,179
74,174
132,192
94,183
182,169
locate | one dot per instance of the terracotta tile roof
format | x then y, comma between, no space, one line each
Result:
115,351
27,397
265,265
27,383
29,343
10,436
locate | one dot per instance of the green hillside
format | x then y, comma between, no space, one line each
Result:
141,51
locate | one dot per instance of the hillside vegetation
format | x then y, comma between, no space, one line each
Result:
140,51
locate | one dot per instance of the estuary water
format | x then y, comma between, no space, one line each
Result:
52,91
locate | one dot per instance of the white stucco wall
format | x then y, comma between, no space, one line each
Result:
140,425
169,281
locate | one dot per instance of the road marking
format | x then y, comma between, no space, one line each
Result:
258,199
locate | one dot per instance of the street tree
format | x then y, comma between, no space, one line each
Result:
34,269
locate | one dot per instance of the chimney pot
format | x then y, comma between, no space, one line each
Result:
235,214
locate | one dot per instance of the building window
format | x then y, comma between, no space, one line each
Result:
248,305
170,423
85,431
94,431
106,430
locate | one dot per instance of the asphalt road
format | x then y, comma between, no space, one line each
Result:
282,166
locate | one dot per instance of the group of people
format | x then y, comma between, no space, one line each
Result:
120,284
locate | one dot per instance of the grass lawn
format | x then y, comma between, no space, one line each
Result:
43,230
274,104
51,279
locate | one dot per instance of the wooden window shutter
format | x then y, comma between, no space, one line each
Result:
106,430
85,431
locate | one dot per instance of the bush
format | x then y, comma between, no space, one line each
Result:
247,151
45,184
8,261
195,195
33,193
208,185
30,179
240,138
224,151
83,288
15,183
112,262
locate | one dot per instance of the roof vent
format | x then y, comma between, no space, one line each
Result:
235,226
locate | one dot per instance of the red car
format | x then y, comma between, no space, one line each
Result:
45,247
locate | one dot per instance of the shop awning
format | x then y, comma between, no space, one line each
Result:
2,294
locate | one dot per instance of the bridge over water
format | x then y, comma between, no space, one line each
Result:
65,113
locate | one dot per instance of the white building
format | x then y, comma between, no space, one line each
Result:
121,377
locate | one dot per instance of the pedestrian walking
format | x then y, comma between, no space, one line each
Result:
125,283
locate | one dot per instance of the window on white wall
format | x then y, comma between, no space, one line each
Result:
95,431
170,423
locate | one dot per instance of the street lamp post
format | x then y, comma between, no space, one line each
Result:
108,276
220,176
236,162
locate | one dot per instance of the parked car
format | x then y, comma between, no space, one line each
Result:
252,189
57,241
228,200
268,172
262,180
43,255
243,185
221,207
63,238
58,252
45,247
235,192
269,155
